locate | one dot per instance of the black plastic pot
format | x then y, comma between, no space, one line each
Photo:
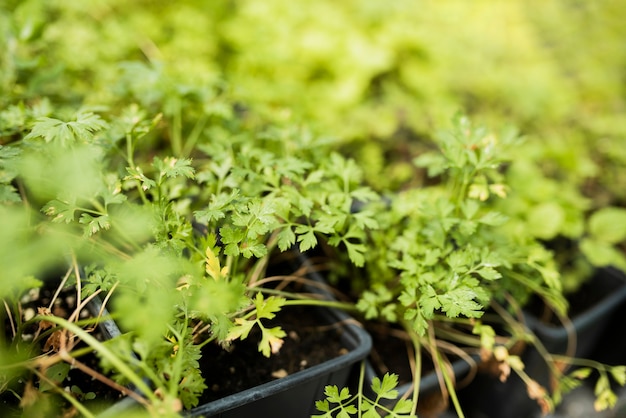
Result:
295,395
487,397
606,292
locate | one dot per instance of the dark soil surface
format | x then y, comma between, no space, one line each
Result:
389,352
92,393
310,341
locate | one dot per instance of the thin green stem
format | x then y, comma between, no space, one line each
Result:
175,380
417,374
325,303
359,397
105,353
79,407
176,131
193,137
450,386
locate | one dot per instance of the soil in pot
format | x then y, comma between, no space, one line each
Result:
309,342
92,393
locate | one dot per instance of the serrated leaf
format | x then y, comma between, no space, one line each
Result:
256,249
619,374
356,253
403,406
307,240
8,194
365,219
267,308
286,238
94,225
63,133
240,330
322,406
461,301
488,273
220,204
493,219
386,388
60,211
271,340
138,175
174,167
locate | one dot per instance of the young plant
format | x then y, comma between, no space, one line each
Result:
446,254
342,404
178,246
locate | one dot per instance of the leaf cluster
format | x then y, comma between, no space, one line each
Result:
342,404
446,247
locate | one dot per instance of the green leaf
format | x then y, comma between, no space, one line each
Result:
600,253
138,175
386,388
546,220
403,406
231,237
488,273
322,406
250,249
619,374
57,373
171,167
82,129
8,194
240,330
460,301
608,225
267,308
94,225
493,219
217,209
307,239
271,340
60,211
286,238
429,301
366,219
335,396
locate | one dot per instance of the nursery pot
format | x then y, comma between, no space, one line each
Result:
291,396
295,394
606,293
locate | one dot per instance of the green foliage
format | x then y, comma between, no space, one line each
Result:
348,405
271,338
607,227
449,243
119,142
64,134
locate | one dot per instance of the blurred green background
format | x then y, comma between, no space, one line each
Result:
376,75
